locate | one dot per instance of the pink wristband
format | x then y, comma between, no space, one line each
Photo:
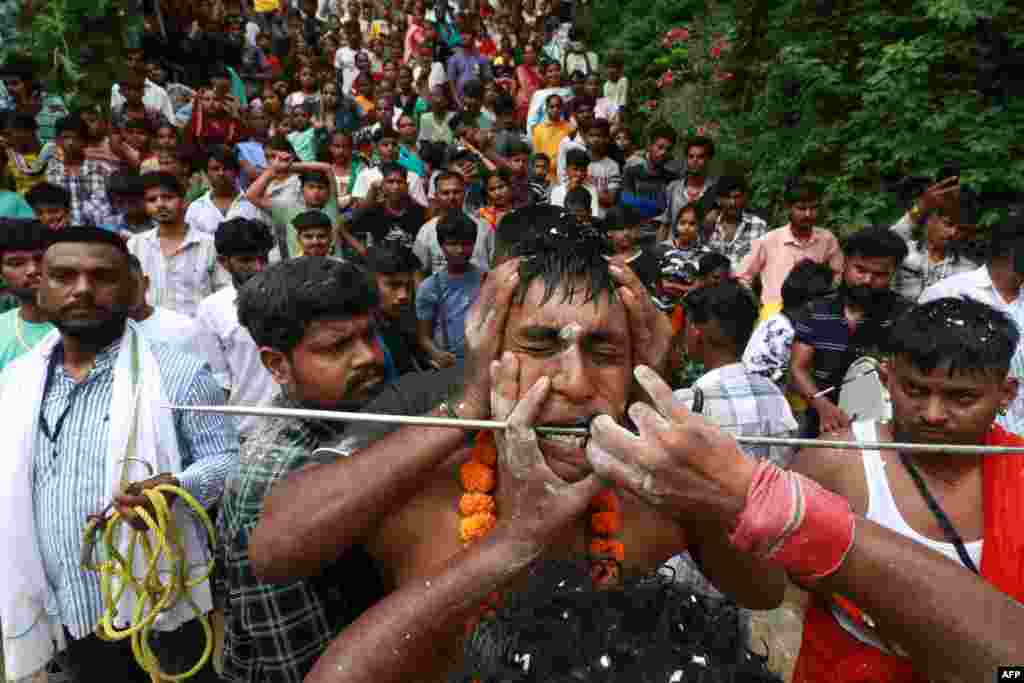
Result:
794,522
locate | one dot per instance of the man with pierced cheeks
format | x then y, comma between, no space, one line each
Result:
562,331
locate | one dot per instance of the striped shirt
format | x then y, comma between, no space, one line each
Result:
69,478
179,282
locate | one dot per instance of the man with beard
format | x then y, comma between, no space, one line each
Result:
562,328
312,320
243,248
76,405
839,328
22,244
179,259
948,378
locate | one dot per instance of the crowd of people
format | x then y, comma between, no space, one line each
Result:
450,210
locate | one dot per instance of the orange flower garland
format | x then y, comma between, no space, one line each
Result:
478,513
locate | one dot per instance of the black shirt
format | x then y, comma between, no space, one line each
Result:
382,225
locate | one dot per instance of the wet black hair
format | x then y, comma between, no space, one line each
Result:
876,242
456,226
563,253
243,236
967,335
807,280
652,629
277,305
522,226
729,304
391,258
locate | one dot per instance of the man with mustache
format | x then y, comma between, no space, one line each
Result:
562,326
947,374
76,406
179,259
311,319
839,328
22,244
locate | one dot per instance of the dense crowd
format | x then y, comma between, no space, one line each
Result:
452,210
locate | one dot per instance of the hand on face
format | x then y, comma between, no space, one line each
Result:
678,462
535,501
651,329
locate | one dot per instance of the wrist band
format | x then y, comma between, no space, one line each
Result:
794,522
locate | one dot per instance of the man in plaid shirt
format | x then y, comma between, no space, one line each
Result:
84,179
311,319
731,229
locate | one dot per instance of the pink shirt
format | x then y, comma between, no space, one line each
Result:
775,254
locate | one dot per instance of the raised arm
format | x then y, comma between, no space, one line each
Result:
314,516
687,467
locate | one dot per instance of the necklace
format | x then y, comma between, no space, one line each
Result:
478,513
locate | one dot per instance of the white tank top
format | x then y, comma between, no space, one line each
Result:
883,511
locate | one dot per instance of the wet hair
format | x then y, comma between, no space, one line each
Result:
224,156
44,194
243,236
456,226
662,131
701,141
23,235
390,259
807,280
801,190
278,304
652,629
730,305
876,242
522,226
564,253
577,158
967,335
165,181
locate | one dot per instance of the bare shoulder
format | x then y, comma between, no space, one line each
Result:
838,470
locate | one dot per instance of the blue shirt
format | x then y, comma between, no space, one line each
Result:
253,153
69,473
445,299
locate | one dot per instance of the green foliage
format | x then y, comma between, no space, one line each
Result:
859,94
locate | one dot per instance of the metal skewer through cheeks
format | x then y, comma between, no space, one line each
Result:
471,425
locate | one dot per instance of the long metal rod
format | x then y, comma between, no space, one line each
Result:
424,421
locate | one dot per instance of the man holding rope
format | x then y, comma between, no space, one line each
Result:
85,418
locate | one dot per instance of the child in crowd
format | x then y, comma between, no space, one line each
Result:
603,173
577,162
394,268
444,298
313,233
622,226
26,156
51,204
687,238
540,179
616,87
714,269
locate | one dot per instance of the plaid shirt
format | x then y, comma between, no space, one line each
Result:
274,633
917,271
90,183
745,404
751,227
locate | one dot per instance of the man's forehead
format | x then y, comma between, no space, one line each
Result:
83,256
334,328
945,376
602,314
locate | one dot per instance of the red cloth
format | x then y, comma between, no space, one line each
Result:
829,653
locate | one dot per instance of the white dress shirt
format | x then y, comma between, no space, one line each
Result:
975,284
203,215
174,329
186,277
432,258
233,355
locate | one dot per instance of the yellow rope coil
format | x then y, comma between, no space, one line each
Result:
161,539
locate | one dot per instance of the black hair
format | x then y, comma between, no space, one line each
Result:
224,156
615,59
967,335
72,123
578,198
278,304
139,124
456,226
473,89
125,182
577,158
515,148
391,258
20,120
522,226
314,218
563,629
731,183
702,141
712,261
730,305
876,242
390,168
621,217
385,132
579,103
243,236
663,131
801,190
23,235
563,253
1007,239
807,280
162,180
537,156
315,177
505,104
47,194
280,143
601,124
